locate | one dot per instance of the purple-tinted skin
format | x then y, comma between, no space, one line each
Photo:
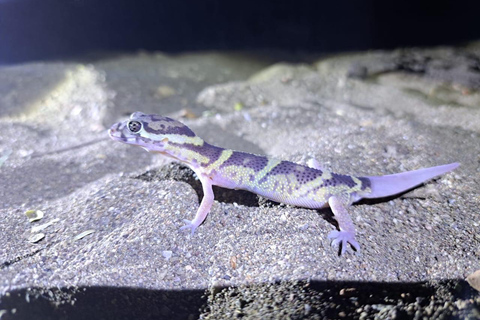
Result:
283,181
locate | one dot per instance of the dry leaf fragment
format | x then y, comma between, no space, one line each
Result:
43,226
36,237
83,234
34,215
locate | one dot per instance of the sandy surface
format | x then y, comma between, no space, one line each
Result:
365,114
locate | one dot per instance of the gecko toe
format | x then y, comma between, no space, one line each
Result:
343,238
189,225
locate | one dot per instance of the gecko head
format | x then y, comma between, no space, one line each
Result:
150,131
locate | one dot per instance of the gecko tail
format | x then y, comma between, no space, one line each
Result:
389,185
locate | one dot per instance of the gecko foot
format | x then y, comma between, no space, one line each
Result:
189,224
342,238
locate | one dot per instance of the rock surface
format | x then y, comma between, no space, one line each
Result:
115,210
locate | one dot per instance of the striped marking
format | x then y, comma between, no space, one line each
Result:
318,191
358,184
224,156
177,138
268,184
187,152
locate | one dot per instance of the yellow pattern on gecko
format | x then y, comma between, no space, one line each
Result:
282,181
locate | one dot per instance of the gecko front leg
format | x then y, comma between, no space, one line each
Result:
345,224
205,205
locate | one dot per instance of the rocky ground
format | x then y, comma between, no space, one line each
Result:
109,242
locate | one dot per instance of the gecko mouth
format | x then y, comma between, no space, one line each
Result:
116,133
113,132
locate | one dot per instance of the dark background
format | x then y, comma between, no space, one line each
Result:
54,29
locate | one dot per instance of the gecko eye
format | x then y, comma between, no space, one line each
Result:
134,126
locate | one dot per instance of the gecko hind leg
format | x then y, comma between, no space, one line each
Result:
347,230
204,208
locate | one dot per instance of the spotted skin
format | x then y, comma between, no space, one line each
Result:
283,181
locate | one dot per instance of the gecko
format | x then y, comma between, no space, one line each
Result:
309,186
